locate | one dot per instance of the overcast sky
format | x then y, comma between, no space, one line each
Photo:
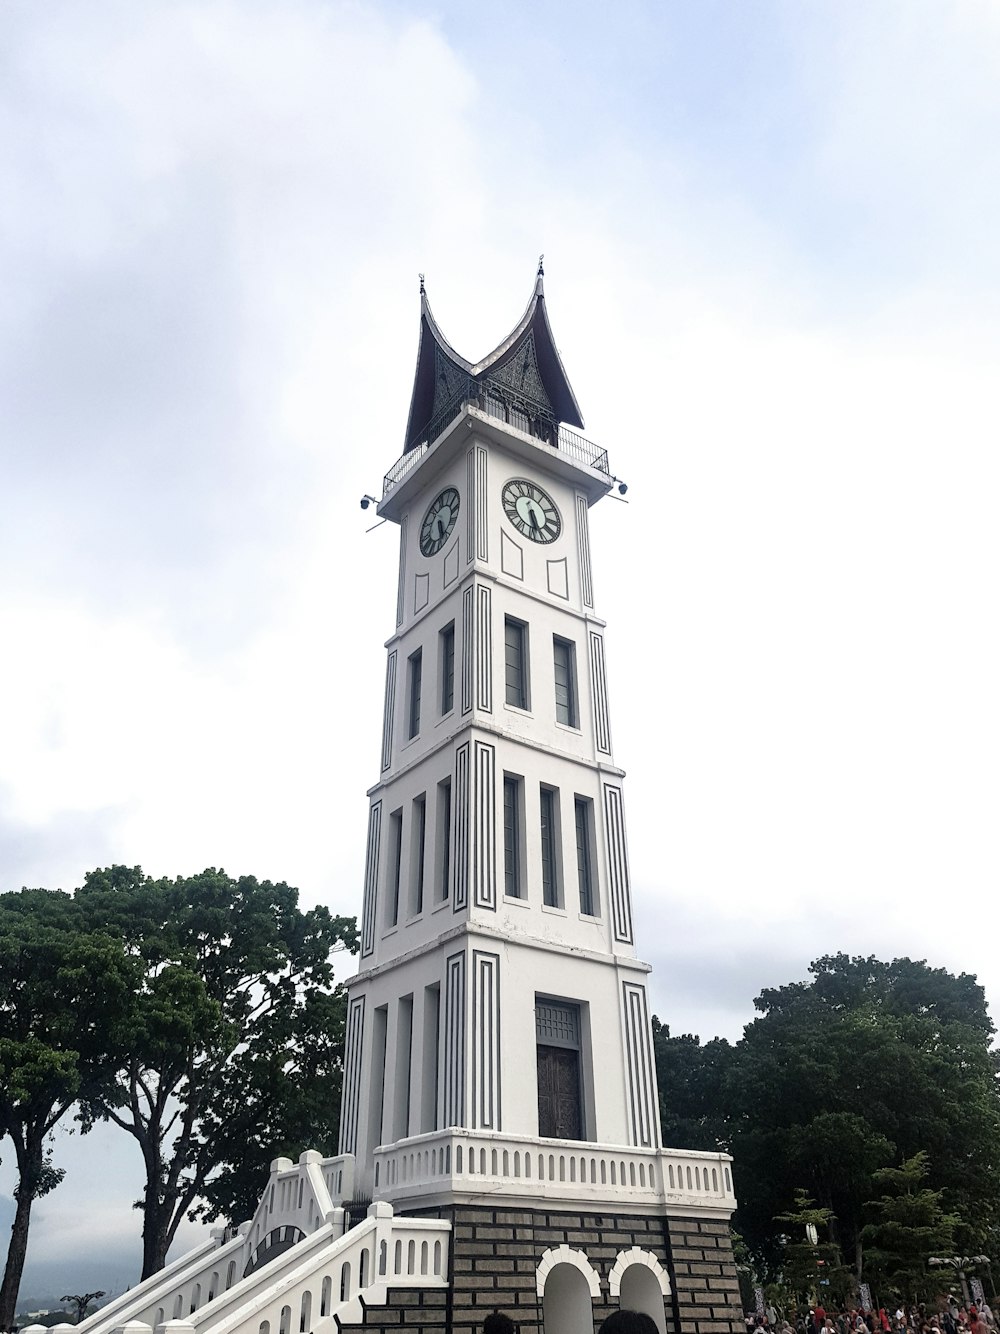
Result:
772,269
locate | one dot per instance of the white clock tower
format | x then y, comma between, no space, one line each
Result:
499,1124
499,1044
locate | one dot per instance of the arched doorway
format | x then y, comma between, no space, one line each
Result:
640,1291
566,1302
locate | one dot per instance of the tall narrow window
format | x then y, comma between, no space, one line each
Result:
512,836
444,839
431,1060
418,843
395,863
564,660
376,1094
516,662
584,860
415,665
446,641
550,848
404,1068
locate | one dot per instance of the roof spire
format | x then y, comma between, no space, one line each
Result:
423,289
541,266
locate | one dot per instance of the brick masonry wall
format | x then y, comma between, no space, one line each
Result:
495,1253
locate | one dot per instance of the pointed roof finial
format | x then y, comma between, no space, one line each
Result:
423,290
541,266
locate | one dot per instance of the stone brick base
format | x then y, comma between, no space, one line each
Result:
495,1254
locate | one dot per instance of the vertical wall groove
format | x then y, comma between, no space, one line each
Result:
484,853
486,1041
583,550
621,894
482,516
470,507
389,712
350,1099
460,820
484,648
599,693
371,879
454,1041
641,1089
467,648
402,571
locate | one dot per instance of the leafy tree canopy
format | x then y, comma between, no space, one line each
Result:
909,1225
64,994
865,1065
236,1001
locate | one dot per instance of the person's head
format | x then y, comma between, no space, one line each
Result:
624,1322
498,1323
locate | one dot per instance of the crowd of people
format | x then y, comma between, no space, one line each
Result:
950,1317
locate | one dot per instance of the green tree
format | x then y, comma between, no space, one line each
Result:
867,1062
910,1226
64,991
692,1079
295,1071
811,1268
233,980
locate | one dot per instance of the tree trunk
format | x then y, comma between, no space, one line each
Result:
17,1250
857,1256
157,1235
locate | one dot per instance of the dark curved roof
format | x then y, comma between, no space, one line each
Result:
527,362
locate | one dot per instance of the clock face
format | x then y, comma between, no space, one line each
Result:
439,522
531,511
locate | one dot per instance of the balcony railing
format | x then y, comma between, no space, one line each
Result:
462,1162
504,405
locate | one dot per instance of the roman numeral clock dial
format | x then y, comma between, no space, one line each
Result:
439,522
531,511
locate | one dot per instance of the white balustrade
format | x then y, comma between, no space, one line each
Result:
319,1277
463,1162
301,1200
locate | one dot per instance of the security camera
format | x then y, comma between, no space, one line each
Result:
622,488
368,500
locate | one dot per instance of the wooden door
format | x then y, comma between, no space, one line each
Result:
559,1111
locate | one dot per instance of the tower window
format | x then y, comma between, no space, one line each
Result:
583,811
516,662
395,864
415,671
564,661
447,654
418,843
444,839
550,847
512,836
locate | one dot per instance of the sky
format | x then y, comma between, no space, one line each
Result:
772,271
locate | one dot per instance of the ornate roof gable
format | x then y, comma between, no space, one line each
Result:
525,370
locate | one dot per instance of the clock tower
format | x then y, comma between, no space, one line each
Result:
500,1145
499,1049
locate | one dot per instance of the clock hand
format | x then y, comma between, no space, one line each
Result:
534,518
440,524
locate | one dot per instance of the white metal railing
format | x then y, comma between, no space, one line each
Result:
466,1162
